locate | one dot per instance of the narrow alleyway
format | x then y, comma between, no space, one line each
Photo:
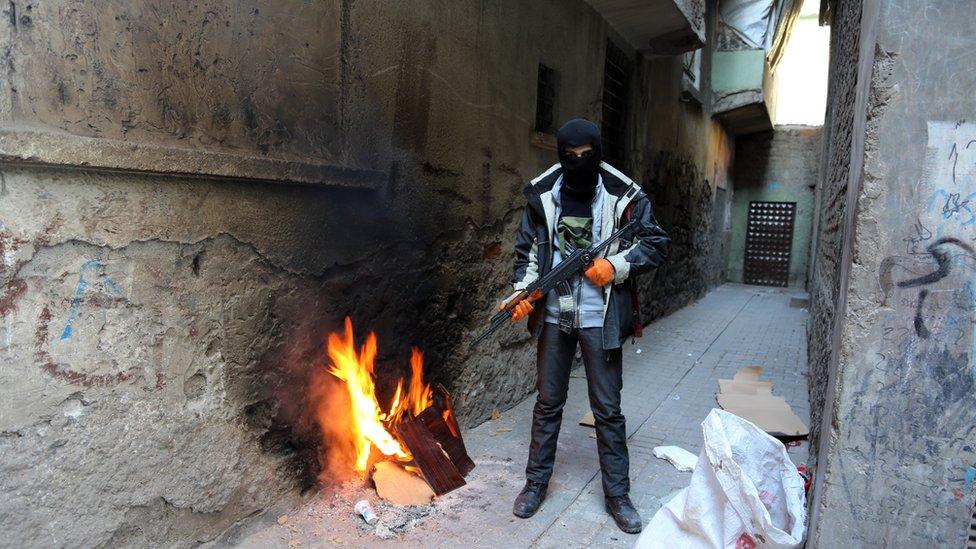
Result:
670,380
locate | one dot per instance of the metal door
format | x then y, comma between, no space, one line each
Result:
769,237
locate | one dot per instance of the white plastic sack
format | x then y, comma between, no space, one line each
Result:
682,459
745,492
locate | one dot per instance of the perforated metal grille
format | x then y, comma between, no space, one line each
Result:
616,79
769,237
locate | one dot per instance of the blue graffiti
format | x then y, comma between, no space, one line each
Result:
970,477
954,204
88,265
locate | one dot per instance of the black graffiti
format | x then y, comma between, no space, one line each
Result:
942,258
922,234
920,328
954,156
940,251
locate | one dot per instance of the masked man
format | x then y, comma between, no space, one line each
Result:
573,205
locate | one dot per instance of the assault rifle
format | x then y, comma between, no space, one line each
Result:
560,274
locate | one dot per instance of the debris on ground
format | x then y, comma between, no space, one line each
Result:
682,459
746,488
397,519
747,397
588,420
397,485
495,414
366,511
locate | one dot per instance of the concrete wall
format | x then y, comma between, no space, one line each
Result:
687,173
897,437
265,170
778,166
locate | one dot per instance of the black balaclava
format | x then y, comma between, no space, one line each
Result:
579,174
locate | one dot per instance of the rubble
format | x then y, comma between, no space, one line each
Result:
396,519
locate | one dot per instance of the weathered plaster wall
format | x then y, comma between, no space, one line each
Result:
777,166
213,74
899,435
158,329
688,174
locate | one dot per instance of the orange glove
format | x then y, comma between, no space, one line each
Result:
523,307
600,272
521,310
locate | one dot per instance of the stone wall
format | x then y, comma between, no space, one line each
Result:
778,166
687,174
896,439
832,203
192,197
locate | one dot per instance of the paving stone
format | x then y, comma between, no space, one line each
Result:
683,355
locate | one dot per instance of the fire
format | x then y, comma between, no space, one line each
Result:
368,420
419,395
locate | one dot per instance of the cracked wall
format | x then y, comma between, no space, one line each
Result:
686,170
895,447
158,328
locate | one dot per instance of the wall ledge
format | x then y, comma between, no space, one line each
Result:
34,147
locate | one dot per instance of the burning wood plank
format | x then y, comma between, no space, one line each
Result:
418,427
434,440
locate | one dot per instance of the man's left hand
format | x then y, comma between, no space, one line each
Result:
600,272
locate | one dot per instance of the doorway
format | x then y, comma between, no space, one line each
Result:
769,239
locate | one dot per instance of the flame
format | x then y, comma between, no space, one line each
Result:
368,421
418,396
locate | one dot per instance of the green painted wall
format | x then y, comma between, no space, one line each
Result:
738,70
778,166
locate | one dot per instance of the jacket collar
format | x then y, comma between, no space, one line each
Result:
614,182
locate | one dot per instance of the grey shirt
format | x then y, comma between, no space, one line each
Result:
588,296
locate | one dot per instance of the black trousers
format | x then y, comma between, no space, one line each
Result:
604,380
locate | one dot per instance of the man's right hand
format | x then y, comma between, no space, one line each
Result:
521,310
523,307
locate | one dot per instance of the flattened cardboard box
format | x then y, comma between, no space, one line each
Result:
749,398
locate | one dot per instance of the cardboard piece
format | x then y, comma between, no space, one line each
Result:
588,420
749,398
397,485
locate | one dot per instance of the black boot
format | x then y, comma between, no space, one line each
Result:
529,500
624,514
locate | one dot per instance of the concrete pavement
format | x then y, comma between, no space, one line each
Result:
670,381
